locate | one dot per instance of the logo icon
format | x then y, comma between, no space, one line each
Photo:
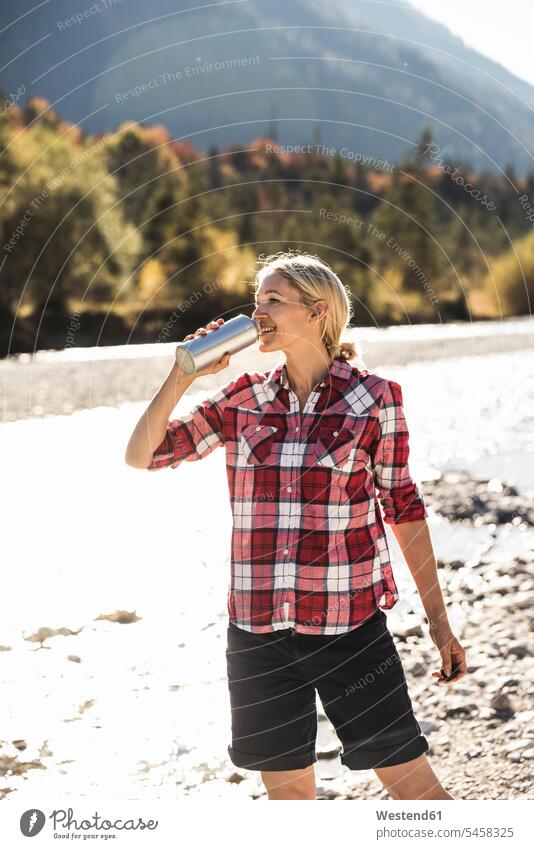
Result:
32,822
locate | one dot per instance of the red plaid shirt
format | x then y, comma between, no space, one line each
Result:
309,549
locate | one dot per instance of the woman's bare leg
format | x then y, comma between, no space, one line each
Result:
412,780
290,784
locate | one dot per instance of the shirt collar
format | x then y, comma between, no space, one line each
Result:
338,376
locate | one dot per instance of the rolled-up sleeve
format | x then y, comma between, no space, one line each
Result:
400,497
196,434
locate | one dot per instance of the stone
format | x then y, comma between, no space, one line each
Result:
428,727
235,778
508,683
327,792
485,713
501,702
517,745
327,752
520,650
525,716
416,668
410,626
519,601
460,710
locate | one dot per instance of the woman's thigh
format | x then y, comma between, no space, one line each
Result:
362,686
273,708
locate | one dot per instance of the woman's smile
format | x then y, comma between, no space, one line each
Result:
267,331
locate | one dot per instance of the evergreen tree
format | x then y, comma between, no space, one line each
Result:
214,168
422,154
273,123
407,219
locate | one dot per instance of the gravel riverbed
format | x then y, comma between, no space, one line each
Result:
480,731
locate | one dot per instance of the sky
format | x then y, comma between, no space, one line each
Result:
505,36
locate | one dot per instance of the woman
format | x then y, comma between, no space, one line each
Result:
311,446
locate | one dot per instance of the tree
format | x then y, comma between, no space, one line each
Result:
406,217
146,173
214,168
73,227
422,154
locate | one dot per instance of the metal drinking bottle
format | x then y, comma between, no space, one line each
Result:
206,349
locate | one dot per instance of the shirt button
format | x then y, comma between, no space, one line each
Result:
286,550
336,433
289,489
322,385
259,427
297,429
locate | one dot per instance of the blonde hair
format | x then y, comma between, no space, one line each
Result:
315,280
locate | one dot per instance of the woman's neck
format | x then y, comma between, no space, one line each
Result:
305,372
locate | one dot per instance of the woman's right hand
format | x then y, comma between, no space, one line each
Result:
223,362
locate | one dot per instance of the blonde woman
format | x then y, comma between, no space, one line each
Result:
317,461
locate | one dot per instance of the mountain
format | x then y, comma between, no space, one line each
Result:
360,76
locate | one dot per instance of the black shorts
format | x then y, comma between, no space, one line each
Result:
273,678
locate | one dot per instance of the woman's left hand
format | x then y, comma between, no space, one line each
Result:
452,655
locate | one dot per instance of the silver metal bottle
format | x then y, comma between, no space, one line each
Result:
206,349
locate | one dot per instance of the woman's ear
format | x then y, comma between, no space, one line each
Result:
321,308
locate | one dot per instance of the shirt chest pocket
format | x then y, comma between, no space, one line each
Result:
257,443
340,449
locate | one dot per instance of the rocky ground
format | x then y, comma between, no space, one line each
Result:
480,731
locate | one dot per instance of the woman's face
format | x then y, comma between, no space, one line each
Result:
278,305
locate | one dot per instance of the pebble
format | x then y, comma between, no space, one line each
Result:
520,601
327,752
327,792
473,753
416,669
428,727
460,710
516,745
519,650
235,778
501,702
485,713
525,716
409,626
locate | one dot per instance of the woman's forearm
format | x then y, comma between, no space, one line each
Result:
416,545
152,426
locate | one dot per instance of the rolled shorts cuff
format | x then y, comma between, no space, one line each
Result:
360,758
245,760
